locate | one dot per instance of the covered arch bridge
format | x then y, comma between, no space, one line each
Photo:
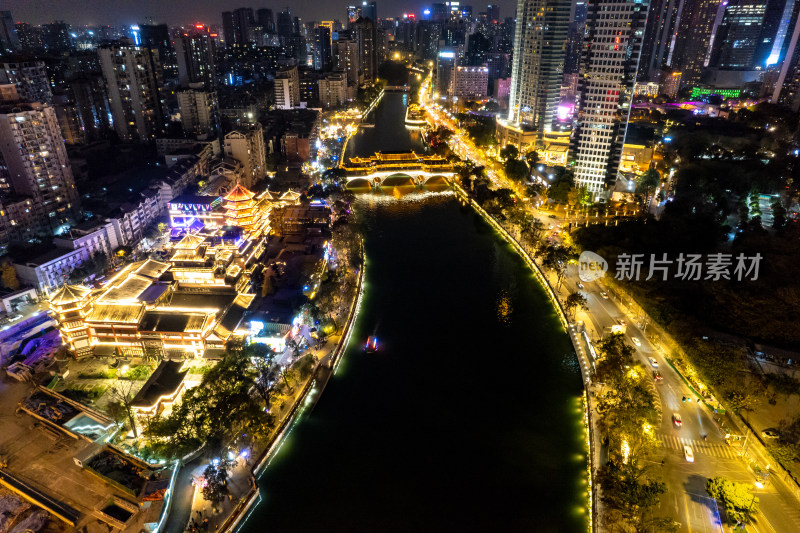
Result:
397,168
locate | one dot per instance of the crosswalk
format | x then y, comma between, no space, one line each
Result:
698,446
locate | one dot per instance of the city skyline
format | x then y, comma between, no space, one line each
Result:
100,12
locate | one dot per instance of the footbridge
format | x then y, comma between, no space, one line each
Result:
397,168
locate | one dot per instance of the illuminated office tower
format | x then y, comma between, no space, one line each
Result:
605,87
538,62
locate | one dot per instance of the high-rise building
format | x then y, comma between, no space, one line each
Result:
285,24
30,37
323,60
8,33
87,92
133,81
37,163
538,62
227,29
247,147
156,36
30,78
287,88
196,60
493,13
787,87
577,30
608,74
345,59
332,90
236,26
440,12
265,19
470,82
366,33
783,35
747,33
199,110
658,37
446,61
56,37
369,10
427,39
243,21
353,12
692,31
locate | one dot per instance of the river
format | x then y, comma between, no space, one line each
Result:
468,418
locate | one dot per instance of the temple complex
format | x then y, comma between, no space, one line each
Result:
189,305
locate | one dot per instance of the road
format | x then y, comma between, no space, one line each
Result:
686,499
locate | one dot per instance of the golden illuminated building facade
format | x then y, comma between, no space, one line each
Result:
189,305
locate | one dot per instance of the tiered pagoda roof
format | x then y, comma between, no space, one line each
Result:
240,208
69,294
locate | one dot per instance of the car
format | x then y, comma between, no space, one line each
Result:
580,285
552,216
770,433
621,322
604,294
653,362
687,452
657,375
372,345
15,318
676,420
550,226
636,341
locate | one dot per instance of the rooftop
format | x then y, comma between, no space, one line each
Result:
172,321
165,381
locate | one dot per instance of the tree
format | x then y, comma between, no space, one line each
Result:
647,182
509,151
778,214
221,403
740,503
628,492
585,196
122,394
615,356
215,475
516,170
9,277
575,301
101,262
573,196
265,374
532,158
755,205
533,230
555,257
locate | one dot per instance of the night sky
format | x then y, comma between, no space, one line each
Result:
177,12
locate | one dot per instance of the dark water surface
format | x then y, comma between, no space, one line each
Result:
468,418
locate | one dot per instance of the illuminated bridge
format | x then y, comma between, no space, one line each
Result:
396,168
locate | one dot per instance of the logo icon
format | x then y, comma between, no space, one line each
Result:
591,267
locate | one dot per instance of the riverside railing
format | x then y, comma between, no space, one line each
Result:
562,315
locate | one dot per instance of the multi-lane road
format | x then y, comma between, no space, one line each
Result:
686,499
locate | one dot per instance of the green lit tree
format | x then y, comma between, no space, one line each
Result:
739,501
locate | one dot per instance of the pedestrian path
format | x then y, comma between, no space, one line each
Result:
651,384
698,446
